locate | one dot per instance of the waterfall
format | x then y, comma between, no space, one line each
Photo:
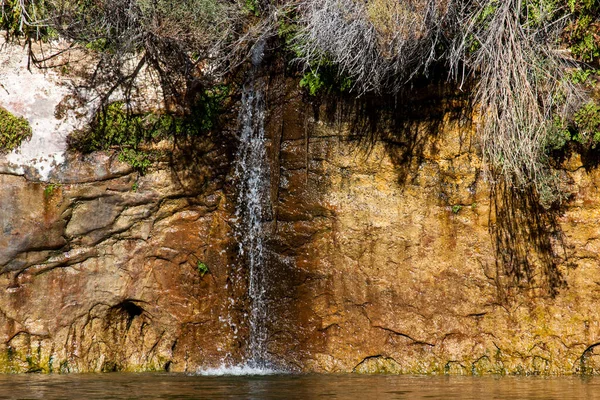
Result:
252,176
252,171
253,207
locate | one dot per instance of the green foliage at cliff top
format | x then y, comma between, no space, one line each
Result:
13,130
517,56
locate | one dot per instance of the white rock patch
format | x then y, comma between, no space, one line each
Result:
34,95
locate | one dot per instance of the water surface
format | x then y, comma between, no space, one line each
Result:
179,386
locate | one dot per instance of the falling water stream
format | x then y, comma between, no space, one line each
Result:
253,208
253,171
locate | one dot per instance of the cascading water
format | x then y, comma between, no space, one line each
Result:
252,170
253,209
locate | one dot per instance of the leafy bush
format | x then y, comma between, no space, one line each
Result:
19,17
587,120
325,80
115,126
13,130
583,32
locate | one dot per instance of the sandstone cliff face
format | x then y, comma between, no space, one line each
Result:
99,270
390,250
402,255
98,264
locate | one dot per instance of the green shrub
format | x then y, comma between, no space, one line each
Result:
13,130
253,7
587,121
24,18
324,81
112,126
138,159
583,32
558,135
325,78
117,127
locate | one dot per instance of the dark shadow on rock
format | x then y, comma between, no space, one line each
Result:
199,163
590,157
528,240
409,123
589,361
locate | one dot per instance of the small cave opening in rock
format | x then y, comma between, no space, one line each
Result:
129,310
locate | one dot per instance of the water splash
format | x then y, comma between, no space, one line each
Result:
252,172
237,370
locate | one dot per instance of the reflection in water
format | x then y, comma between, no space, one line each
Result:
178,386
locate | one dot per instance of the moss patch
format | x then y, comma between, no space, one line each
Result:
13,130
132,132
378,365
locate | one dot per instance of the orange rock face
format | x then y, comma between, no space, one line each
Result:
390,249
395,251
100,270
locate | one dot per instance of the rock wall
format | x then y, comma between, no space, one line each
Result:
99,264
390,250
395,251
99,269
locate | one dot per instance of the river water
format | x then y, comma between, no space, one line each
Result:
362,387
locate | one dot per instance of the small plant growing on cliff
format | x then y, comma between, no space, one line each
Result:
325,80
138,159
202,268
456,208
13,130
50,189
115,127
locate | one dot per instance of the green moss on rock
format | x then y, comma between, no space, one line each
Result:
13,130
378,365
